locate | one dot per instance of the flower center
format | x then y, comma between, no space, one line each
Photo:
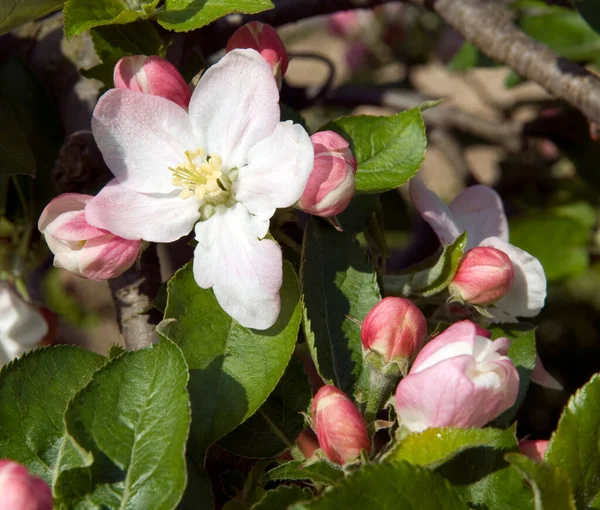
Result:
204,178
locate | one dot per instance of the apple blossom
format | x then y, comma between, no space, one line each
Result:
229,163
264,39
79,247
395,329
484,276
22,327
340,428
479,212
331,184
21,491
154,76
459,379
534,449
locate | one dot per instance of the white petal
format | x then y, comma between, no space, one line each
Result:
478,210
235,105
277,171
131,215
245,273
434,211
140,137
528,292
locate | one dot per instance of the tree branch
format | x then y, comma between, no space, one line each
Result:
133,293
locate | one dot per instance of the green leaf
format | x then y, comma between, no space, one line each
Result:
16,157
575,445
184,15
282,497
34,392
390,486
389,150
277,423
522,352
339,287
469,56
435,446
355,218
232,369
317,472
590,10
138,38
130,425
558,240
551,488
198,492
16,12
80,15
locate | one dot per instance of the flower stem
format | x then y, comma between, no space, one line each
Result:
381,386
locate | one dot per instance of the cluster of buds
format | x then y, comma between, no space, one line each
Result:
21,491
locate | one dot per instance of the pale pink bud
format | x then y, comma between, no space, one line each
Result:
331,183
20,491
264,39
484,276
395,328
339,426
79,247
534,449
459,379
154,76
344,23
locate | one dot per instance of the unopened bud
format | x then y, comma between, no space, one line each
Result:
534,449
331,183
154,76
395,329
484,276
340,428
20,491
264,39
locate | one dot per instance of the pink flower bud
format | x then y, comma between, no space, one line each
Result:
264,39
344,23
459,379
79,247
331,183
154,76
340,428
484,276
534,449
395,328
20,491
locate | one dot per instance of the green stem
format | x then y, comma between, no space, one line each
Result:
380,389
293,449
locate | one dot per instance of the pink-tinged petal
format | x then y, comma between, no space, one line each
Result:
434,211
456,340
60,205
277,171
107,257
510,384
244,272
140,137
479,211
541,376
528,292
235,105
500,345
534,449
134,216
72,226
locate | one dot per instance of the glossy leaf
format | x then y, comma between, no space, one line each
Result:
575,445
339,287
129,426
277,423
34,392
317,472
590,10
282,497
551,488
389,150
388,487
233,369
184,15
16,12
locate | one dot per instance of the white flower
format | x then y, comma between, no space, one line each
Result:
229,163
21,326
478,210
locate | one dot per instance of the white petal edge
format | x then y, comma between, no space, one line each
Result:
140,137
527,295
434,211
235,105
131,215
244,272
277,172
479,211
